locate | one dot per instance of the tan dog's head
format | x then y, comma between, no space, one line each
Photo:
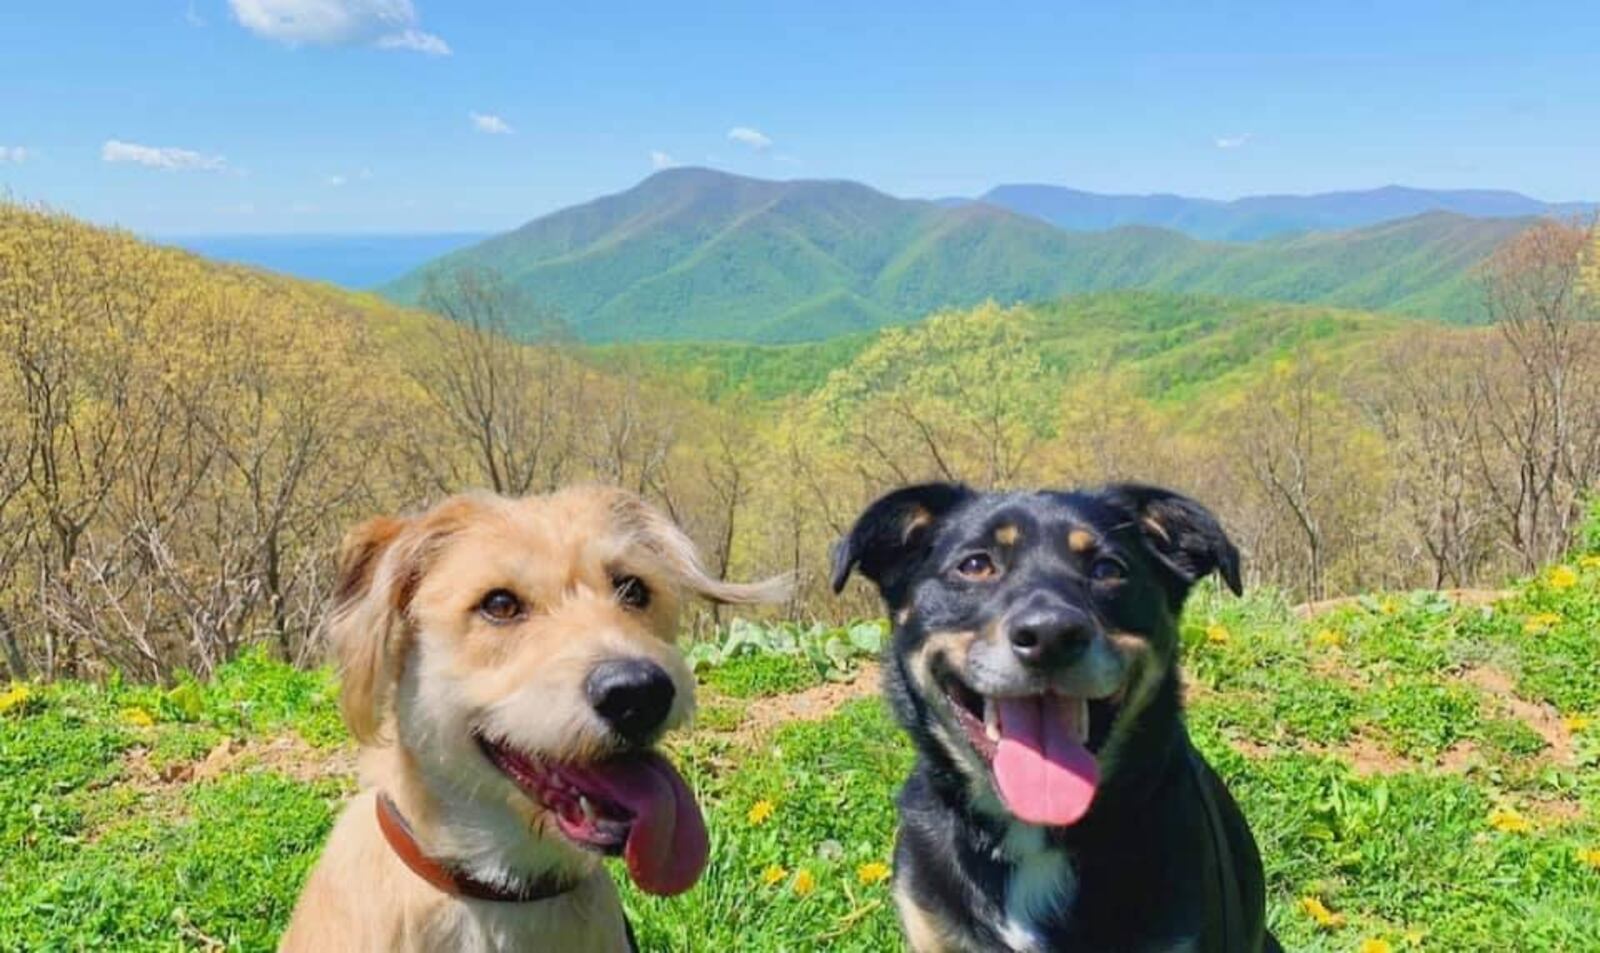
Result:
520,655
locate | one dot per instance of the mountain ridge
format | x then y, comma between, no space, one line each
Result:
697,254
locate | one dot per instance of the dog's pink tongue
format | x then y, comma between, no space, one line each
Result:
667,844
1045,775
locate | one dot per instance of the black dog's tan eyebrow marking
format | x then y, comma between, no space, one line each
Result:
1080,540
916,518
1007,534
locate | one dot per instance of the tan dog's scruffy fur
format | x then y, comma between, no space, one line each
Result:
422,671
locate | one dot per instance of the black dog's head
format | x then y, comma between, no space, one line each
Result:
1032,628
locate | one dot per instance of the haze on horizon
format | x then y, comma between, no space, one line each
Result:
325,116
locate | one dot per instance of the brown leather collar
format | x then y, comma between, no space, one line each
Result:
457,883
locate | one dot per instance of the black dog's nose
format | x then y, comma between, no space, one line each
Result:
632,695
1050,636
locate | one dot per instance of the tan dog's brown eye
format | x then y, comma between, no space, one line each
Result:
631,591
977,566
1107,570
500,605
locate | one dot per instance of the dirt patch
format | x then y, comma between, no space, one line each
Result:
1461,597
288,755
1501,690
1460,758
1253,750
763,715
1368,757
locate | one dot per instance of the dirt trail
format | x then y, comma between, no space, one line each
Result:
287,754
762,715
1461,597
1501,689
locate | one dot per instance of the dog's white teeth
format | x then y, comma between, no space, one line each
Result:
1080,720
587,808
991,719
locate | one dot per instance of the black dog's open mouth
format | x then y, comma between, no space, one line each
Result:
1041,748
584,815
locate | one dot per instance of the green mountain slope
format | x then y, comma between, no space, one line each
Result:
1175,344
692,254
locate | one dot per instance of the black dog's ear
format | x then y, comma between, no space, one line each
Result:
891,531
1186,535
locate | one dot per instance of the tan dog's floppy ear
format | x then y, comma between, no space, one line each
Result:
659,535
366,626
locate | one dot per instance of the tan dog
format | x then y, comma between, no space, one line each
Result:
507,666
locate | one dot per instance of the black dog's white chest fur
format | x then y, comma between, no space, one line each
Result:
1040,886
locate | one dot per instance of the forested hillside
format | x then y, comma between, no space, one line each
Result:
692,254
185,442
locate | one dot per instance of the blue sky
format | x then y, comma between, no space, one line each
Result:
237,116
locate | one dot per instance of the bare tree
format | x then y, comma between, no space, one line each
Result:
1537,444
508,401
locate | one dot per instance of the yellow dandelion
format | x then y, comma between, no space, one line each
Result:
1562,577
137,716
1217,634
1375,945
1589,856
1575,723
1389,606
1508,821
760,812
804,883
1318,911
1591,561
16,697
773,874
1328,638
1540,622
874,872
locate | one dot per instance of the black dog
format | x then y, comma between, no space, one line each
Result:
1056,803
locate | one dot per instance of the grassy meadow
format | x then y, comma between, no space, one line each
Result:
1419,770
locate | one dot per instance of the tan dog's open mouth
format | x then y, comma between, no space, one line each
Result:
635,805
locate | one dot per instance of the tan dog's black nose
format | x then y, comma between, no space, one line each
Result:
1050,635
634,697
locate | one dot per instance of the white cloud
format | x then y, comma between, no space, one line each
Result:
1233,142
753,138
490,123
160,157
386,24
192,18
13,154
334,181
786,159
660,160
414,40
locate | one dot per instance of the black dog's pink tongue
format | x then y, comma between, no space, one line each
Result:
667,844
1045,774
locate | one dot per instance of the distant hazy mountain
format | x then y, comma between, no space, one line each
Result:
354,261
692,254
1261,216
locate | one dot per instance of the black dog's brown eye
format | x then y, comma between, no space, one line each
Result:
500,605
631,591
976,566
1107,570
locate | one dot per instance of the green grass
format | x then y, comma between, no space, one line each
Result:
1416,849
